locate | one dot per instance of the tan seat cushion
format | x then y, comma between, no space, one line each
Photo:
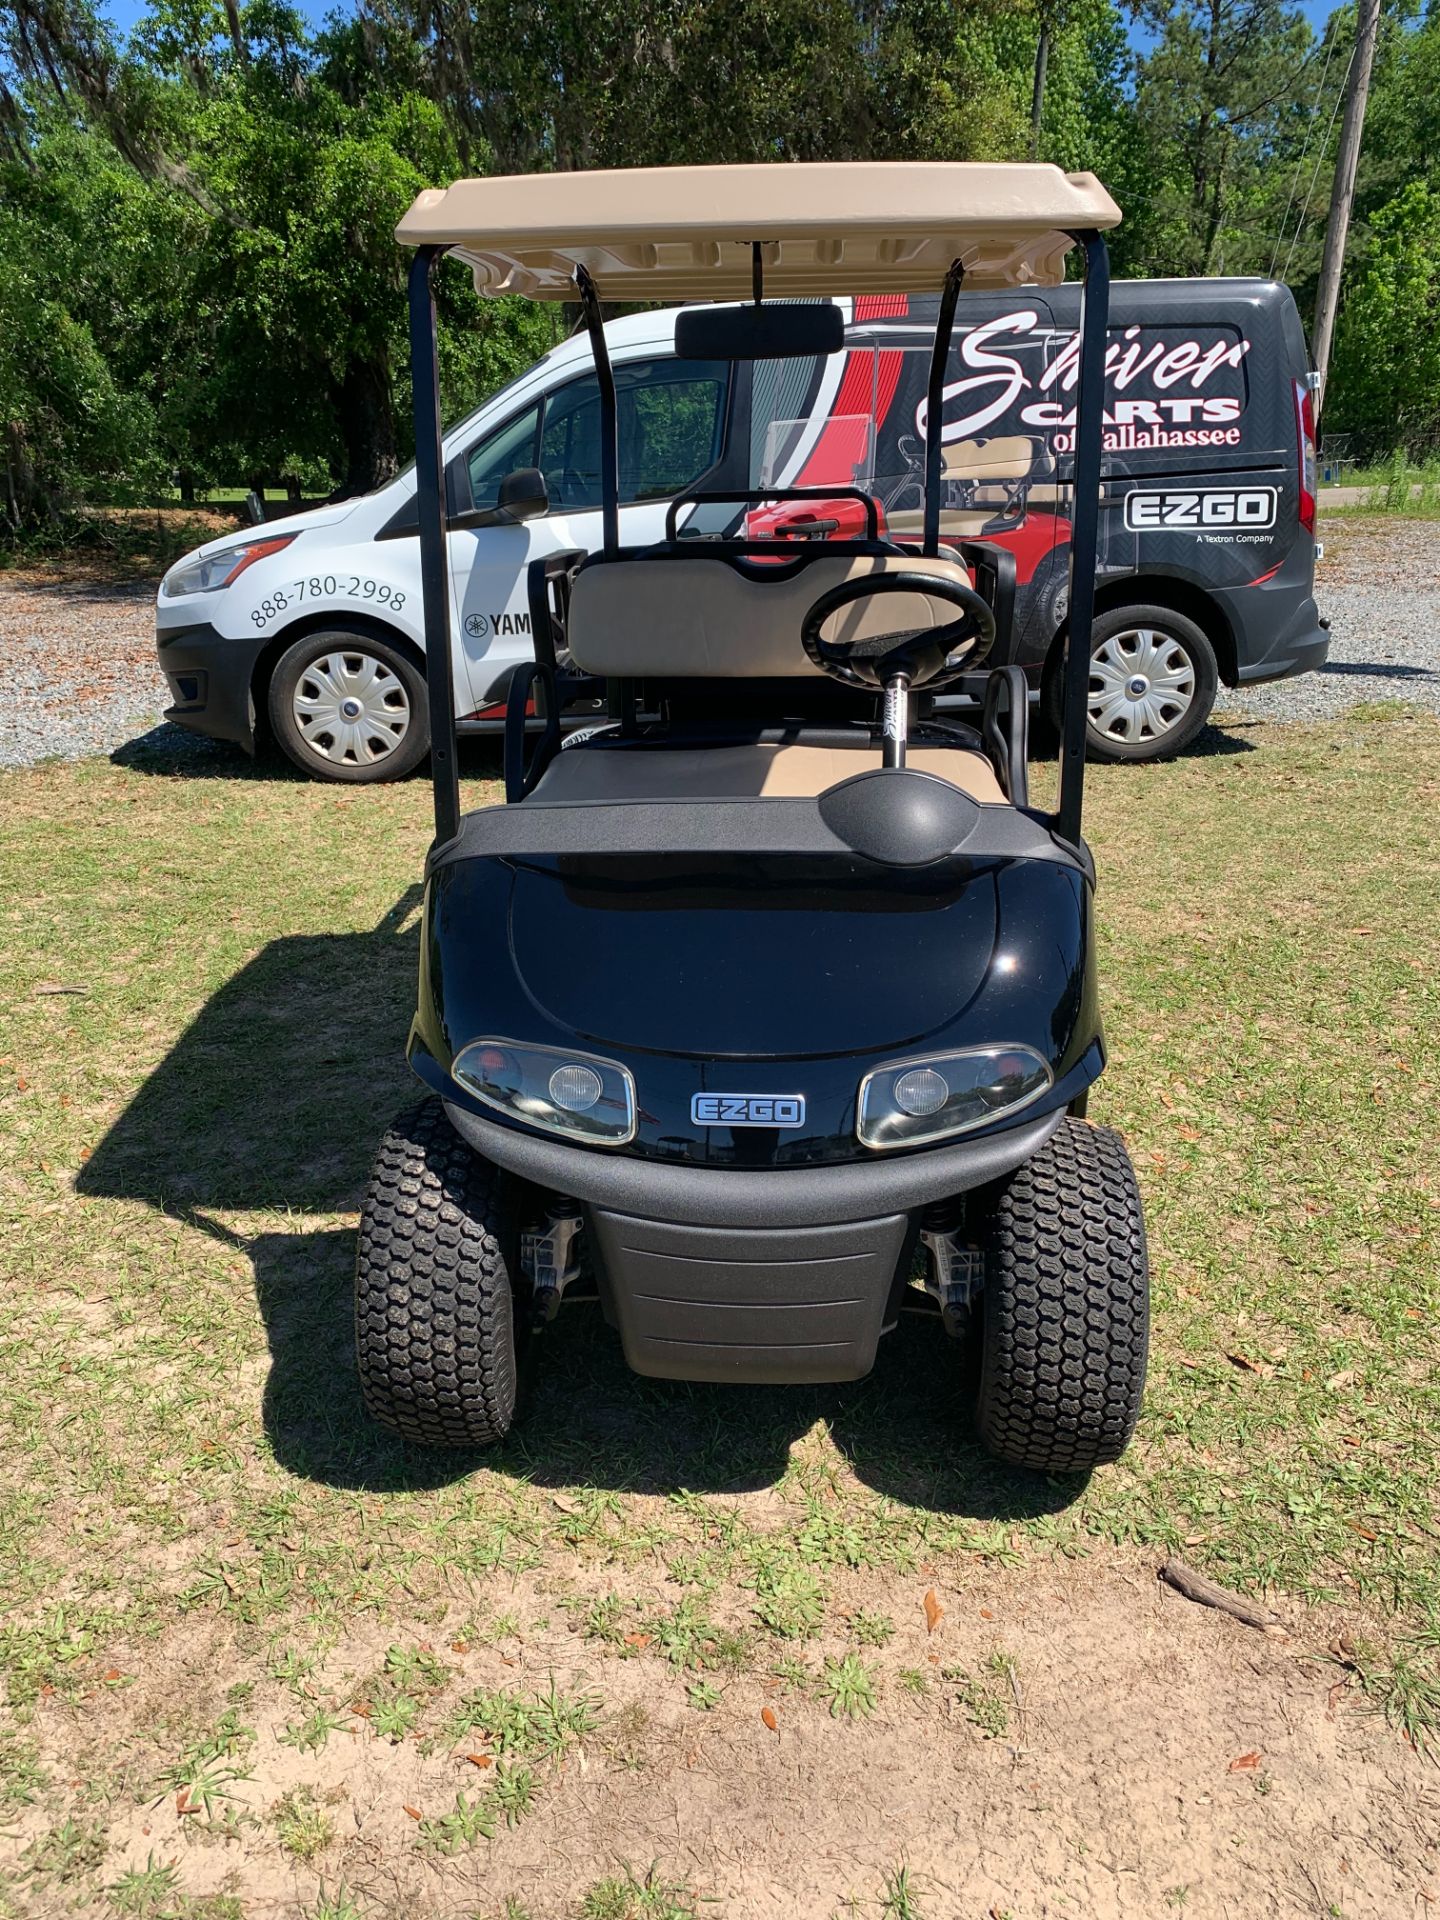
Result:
762,770
698,617
909,523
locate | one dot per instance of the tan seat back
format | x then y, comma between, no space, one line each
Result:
1009,456
697,616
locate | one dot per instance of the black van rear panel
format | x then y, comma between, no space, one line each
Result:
1202,489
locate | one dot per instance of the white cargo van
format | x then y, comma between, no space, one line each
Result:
308,629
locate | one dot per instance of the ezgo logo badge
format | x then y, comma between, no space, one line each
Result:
1247,509
748,1110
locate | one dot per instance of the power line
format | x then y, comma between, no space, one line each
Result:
1299,164
1319,162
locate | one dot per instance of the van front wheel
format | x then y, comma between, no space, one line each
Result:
1153,681
349,707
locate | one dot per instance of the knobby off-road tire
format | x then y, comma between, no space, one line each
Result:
1066,1314
435,1315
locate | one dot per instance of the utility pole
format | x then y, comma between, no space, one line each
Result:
1342,193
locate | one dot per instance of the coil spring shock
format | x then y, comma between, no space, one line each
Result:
957,1269
944,1216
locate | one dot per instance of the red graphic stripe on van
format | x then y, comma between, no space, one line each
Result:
841,447
1262,578
881,306
887,378
498,711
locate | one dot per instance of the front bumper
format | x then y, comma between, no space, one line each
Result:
210,677
782,1275
789,1305
755,1199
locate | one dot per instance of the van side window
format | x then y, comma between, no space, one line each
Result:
671,425
672,431
501,452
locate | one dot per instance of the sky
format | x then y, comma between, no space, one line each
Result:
126,12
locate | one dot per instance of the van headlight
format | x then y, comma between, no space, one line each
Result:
911,1102
573,1094
208,572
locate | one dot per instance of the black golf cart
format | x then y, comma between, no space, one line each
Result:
766,1010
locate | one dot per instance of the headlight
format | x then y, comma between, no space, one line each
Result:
573,1094
910,1102
210,571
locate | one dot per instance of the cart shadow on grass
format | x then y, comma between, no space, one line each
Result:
170,752
272,1101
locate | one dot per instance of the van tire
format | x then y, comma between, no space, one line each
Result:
1065,1310
438,1329
391,734
1168,631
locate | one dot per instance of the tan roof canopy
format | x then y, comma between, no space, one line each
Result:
686,233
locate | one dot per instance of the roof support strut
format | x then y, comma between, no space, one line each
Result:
1084,529
609,415
935,403
434,564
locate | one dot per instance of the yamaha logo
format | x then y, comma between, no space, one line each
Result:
476,625
748,1110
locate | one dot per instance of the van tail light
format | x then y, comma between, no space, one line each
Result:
1305,429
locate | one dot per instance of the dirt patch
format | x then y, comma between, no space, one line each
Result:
1068,1740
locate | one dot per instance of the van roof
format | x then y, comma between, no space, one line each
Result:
687,233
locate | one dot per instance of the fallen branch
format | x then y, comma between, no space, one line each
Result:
1206,1593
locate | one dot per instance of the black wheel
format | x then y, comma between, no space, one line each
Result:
349,707
435,1309
1065,1322
1153,681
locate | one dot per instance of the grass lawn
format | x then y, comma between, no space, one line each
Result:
259,1658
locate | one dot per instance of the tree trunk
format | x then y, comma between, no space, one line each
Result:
1037,92
1217,209
367,426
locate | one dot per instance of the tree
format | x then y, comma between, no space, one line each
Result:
1385,381
1220,106
274,167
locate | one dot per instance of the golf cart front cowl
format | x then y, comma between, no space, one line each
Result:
778,977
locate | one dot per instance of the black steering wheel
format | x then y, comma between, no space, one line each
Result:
925,657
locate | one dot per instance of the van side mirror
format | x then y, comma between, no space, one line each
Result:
523,495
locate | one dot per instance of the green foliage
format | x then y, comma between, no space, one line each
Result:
71,423
302,1826
145,1892
848,1688
199,282
1385,374
632,1896
530,1726
467,1822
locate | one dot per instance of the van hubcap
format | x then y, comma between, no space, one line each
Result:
351,709
1142,685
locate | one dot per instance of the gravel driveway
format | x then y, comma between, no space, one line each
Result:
1379,586
79,657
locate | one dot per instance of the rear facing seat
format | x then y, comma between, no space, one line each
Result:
760,770
674,615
